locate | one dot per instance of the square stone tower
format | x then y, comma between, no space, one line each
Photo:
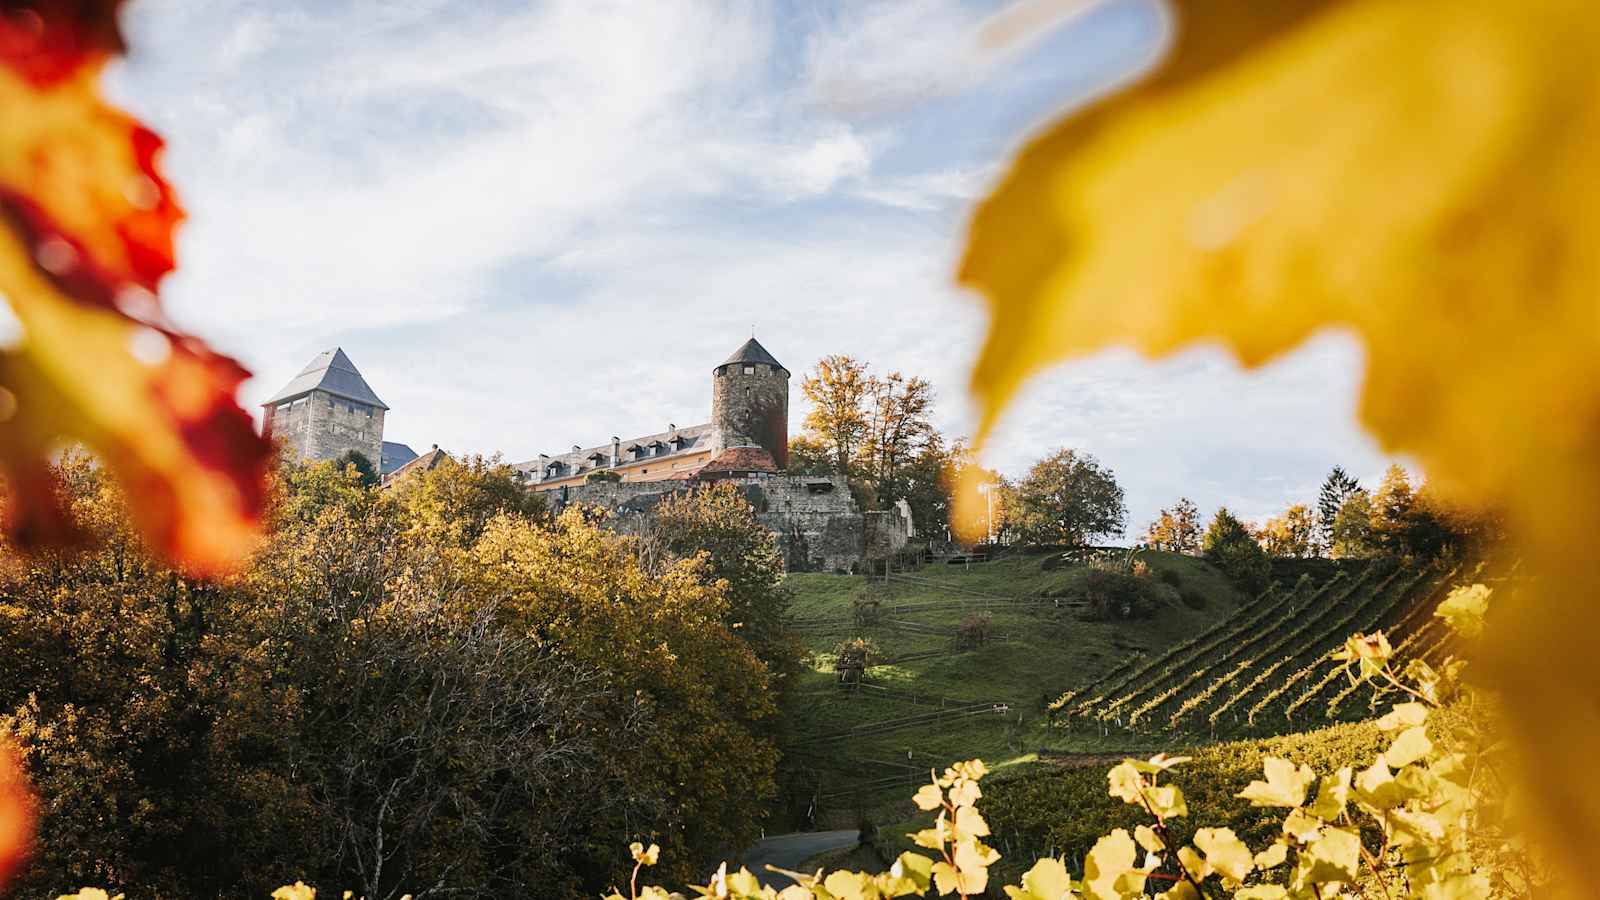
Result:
327,411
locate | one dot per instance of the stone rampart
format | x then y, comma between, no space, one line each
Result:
814,518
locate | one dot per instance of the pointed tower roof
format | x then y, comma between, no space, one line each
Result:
751,351
332,372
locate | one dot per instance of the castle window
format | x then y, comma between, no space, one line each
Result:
749,370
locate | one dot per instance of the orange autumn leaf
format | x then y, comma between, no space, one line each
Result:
86,235
16,816
1422,174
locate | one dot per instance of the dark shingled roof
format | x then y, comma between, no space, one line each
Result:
334,373
395,455
752,352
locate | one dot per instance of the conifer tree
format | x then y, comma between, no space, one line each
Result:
1336,489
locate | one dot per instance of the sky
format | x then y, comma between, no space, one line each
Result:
533,225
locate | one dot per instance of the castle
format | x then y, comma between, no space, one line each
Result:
329,410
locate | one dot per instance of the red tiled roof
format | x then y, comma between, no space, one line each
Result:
739,459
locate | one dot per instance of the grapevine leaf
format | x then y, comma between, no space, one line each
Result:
1047,880
1410,746
1300,826
1272,856
969,824
1166,801
848,885
1111,858
1225,852
1332,796
1333,856
928,798
1126,783
1403,715
1285,785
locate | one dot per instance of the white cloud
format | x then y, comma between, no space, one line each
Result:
883,55
538,225
827,161
929,191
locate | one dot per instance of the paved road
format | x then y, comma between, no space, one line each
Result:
788,851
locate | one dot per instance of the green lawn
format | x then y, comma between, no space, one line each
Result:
1047,651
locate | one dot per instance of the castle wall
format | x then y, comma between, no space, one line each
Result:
887,532
753,409
814,519
321,426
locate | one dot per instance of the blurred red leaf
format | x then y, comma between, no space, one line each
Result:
16,816
86,234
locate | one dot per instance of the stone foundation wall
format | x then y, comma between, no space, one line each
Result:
887,531
814,518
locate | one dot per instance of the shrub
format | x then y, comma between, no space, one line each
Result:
1193,598
1114,596
866,608
601,475
974,631
1171,576
853,656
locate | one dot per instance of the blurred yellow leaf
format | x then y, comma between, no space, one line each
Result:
1419,174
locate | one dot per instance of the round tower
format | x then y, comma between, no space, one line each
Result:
750,402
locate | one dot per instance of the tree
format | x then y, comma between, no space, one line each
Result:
808,455
1336,489
1292,533
837,390
363,466
1231,547
1352,528
898,428
454,501
663,651
715,528
1176,530
1391,511
372,705
1070,498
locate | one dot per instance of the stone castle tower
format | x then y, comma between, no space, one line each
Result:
750,402
326,411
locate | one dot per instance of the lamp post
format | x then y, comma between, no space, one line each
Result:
987,490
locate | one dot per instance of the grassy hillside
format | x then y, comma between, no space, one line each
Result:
988,701
1205,665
